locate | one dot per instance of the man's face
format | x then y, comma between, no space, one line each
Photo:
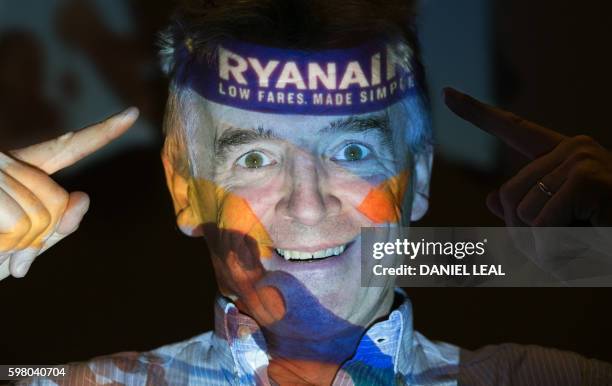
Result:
281,197
291,196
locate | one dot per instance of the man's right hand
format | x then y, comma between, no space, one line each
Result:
35,212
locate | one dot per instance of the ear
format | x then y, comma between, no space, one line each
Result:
178,185
422,177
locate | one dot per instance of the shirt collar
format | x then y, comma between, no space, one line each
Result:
386,343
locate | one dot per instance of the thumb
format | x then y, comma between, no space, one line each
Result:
78,205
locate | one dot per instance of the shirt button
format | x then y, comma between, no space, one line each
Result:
244,332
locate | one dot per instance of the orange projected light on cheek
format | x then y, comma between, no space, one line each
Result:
382,204
229,212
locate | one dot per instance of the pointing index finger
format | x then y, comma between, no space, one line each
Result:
72,147
528,138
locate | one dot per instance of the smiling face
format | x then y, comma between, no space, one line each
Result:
282,199
279,158
306,180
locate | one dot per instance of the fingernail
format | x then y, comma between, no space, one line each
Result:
22,268
130,113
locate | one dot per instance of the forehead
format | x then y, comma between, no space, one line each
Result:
224,117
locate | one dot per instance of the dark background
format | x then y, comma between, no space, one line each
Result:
128,280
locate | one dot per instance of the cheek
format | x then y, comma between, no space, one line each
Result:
263,198
378,199
230,214
383,203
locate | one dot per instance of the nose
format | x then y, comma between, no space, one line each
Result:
309,200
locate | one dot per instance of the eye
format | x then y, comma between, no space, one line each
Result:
352,152
254,160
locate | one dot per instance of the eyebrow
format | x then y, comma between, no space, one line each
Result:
233,136
352,124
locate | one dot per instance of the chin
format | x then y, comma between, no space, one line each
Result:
332,275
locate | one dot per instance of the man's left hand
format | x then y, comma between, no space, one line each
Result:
569,179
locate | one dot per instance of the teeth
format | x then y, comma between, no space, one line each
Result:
322,254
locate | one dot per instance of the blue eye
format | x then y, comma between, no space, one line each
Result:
352,152
254,160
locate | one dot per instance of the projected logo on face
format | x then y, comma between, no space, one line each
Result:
329,82
282,201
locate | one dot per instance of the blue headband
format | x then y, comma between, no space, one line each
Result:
280,81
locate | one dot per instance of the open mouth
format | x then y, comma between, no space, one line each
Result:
293,255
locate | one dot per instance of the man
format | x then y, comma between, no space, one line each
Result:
290,126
